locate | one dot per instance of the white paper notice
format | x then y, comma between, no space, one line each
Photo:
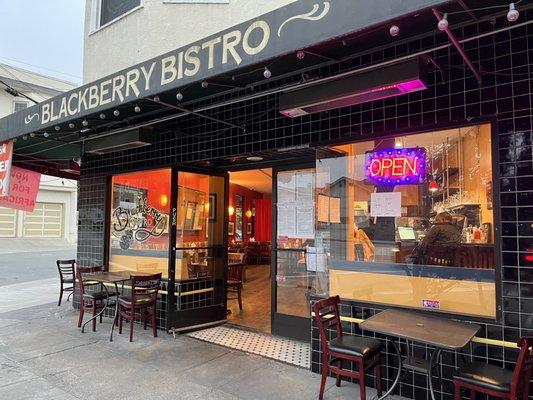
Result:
305,217
334,210
323,208
386,204
287,219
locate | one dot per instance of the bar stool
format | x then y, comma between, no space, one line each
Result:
365,352
495,381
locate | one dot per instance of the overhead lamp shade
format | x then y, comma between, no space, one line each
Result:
231,210
433,186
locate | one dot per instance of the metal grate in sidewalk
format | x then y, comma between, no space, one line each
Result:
280,349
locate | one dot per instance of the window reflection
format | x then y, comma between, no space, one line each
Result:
409,220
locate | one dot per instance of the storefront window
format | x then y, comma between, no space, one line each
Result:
140,208
408,221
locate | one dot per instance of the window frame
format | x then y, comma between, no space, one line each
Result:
96,15
498,279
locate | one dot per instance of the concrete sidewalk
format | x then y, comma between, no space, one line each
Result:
45,356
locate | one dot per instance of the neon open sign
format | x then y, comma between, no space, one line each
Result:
396,166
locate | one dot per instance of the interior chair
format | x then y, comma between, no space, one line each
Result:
235,277
265,251
143,300
66,269
362,351
253,252
441,255
495,381
93,295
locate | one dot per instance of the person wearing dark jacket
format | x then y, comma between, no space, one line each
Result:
443,232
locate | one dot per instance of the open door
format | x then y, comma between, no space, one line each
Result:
198,252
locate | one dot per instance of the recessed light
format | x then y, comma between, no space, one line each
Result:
254,158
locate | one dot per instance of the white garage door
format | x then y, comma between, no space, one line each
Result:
46,220
8,222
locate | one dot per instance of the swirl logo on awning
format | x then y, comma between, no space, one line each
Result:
30,118
310,16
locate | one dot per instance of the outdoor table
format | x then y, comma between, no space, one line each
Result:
110,278
440,333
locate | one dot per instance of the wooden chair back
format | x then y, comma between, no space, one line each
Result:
441,255
235,273
145,286
326,316
523,370
83,281
472,256
66,269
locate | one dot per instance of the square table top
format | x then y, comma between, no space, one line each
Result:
114,276
423,328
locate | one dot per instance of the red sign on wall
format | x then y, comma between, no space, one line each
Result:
6,154
23,189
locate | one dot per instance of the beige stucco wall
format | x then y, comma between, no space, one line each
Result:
160,26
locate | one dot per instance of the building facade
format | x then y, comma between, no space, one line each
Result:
374,135
55,215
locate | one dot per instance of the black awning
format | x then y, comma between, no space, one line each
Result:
295,26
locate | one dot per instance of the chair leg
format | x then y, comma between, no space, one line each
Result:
362,380
154,320
378,378
324,375
82,311
457,395
239,296
120,324
94,319
145,316
338,379
132,321
60,295
70,294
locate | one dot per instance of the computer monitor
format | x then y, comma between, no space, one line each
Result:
406,233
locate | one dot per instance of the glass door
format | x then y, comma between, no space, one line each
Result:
198,254
293,239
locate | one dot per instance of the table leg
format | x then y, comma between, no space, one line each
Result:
98,313
398,375
116,310
432,363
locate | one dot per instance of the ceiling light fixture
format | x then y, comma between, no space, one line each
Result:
254,158
513,13
394,30
443,23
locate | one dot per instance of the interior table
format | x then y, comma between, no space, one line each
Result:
111,278
439,333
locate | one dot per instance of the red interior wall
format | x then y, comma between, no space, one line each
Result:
249,197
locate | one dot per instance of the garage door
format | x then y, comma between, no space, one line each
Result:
46,220
8,219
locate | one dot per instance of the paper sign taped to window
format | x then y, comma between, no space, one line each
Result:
387,204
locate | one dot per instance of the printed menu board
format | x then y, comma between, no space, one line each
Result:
296,209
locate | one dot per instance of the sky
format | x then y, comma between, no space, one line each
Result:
45,36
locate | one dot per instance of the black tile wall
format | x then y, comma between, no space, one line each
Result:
505,60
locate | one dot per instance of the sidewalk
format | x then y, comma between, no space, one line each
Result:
45,356
22,245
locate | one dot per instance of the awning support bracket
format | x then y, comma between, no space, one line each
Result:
459,48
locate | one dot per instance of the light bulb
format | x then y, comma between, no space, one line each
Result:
513,13
46,134
157,99
71,125
300,54
85,122
443,23
137,109
179,96
267,74
102,116
24,137
116,113
394,30
57,128
205,84
32,134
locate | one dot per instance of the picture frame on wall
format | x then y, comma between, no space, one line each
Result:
212,215
248,228
231,228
